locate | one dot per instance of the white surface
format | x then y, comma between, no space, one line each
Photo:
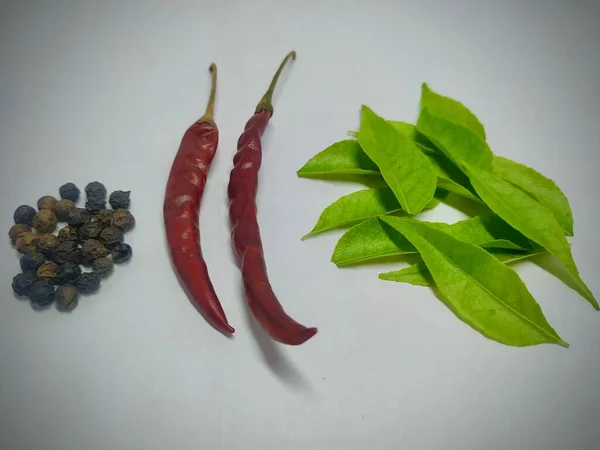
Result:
104,90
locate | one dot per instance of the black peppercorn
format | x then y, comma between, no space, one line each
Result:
123,219
92,250
17,230
95,190
27,242
67,251
46,245
112,236
94,206
41,293
103,267
88,282
69,192
90,230
66,297
22,282
45,221
63,208
68,273
120,200
25,214
104,217
78,217
48,271
47,202
67,234
121,253
31,261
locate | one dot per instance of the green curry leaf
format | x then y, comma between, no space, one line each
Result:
342,158
543,189
479,289
361,205
373,239
450,110
531,218
456,142
404,168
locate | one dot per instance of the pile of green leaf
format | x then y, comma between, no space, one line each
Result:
418,165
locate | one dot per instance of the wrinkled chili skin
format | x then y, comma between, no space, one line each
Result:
184,191
245,233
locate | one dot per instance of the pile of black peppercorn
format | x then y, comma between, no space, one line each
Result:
52,259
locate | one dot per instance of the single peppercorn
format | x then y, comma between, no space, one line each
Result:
120,200
123,219
68,273
63,208
66,297
95,190
67,251
121,253
31,261
27,242
69,191
78,217
94,206
90,230
112,236
88,282
104,217
45,221
47,202
91,250
17,230
67,234
103,267
48,271
41,293
24,214
22,282
46,245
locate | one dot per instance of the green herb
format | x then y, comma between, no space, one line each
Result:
373,239
362,205
479,289
447,152
404,168
543,189
450,110
531,218
356,207
419,275
342,158
348,158
456,142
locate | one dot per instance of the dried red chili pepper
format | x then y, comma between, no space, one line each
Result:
245,232
181,208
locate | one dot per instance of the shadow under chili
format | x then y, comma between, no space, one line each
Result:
275,360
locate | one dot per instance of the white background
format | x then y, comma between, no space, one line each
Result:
104,90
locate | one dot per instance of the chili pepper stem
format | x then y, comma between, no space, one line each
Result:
266,103
209,115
